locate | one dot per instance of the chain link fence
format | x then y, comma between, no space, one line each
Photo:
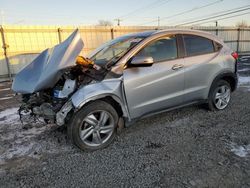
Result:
21,44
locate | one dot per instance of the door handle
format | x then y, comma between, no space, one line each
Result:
177,66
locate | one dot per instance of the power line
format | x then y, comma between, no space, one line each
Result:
217,13
226,17
211,17
151,5
185,12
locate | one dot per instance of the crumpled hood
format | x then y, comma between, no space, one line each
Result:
44,71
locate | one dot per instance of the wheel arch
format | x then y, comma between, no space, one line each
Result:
109,90
110,98
230,77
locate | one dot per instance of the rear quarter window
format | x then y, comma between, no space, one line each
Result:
217,46
197,45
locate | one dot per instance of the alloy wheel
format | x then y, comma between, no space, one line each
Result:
222,97
97,127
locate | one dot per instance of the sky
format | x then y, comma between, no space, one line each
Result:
130,12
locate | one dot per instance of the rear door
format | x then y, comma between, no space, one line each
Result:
200,62
150,89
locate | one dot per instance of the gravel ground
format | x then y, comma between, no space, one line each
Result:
189,147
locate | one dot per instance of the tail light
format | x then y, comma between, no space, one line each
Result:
235,55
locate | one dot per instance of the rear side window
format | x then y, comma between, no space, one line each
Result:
196,45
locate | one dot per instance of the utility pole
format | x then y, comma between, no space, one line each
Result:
158,21
2,17
118,21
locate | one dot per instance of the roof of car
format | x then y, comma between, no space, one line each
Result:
141,34
183,31
191,31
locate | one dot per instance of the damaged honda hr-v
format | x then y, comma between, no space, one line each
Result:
128,78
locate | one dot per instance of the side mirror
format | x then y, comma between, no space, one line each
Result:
142,61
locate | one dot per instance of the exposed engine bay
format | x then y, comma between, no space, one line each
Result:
48,102
59,81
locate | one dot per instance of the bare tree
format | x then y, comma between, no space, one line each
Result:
104,23
242,24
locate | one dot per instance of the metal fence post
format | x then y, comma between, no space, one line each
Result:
5,46
112,33
238,40
59,30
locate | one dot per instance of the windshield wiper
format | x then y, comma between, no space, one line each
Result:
111,62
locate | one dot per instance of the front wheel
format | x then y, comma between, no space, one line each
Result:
94,126
219,96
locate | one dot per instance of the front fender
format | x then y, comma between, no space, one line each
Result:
110,87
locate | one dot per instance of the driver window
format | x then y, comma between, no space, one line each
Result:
161,49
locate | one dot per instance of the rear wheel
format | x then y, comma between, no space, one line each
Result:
94,126
219,96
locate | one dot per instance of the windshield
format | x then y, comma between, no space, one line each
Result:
110,52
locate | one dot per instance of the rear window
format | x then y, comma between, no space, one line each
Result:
196,45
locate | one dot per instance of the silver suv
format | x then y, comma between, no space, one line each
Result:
128,78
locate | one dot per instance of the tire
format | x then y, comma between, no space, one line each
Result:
94,126
219,98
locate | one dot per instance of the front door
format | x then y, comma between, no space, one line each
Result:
155,88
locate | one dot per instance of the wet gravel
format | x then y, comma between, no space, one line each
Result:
189,147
